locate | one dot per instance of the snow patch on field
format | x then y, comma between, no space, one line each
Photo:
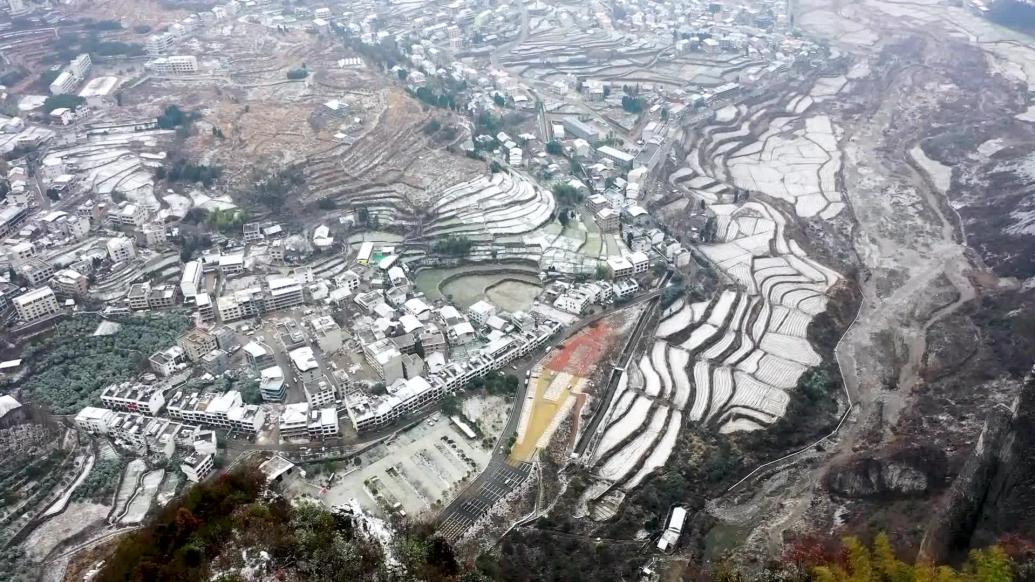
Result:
677,322
653,383
703,392
662,451
622,428
678,359
622,462
657,356
699,336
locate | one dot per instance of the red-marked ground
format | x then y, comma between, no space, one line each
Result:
581,353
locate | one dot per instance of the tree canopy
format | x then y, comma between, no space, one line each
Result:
70,366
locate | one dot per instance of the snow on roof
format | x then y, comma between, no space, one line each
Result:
99,87
272,372
463,328
255,349
410,323
7,404
415,305
303,359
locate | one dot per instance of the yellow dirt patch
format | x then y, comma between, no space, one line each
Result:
552,400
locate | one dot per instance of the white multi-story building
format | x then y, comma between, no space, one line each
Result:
204,304
323,423
348,280
640,262
481,311
271,384
625,288
166,361
134,397
197,466
307,369
130,214
80,66
304,421
190,281
196,343
294,421
161,296
63,84
241,304
174,65
619,267
70,282
231,264
158,44
284,292
21,252
154,235
139,296
327,333
36,304
94,420
320,393
247,418
391,364
36,271
121,249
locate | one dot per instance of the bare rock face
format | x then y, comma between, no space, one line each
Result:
909,473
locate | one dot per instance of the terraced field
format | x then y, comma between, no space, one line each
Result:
500,204
731,362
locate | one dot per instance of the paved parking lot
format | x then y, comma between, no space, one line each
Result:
421,470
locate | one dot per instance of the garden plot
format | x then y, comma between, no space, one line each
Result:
167,490
676,307
703,390
764,345
59,505
77,518
658,360
679,360
827,87
679,320
730,362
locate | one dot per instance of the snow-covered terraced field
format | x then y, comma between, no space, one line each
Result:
623,426
797,164
730,363
623,461
501,203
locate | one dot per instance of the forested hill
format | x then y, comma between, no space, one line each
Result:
232,529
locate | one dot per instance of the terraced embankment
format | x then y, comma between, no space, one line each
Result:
730,363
